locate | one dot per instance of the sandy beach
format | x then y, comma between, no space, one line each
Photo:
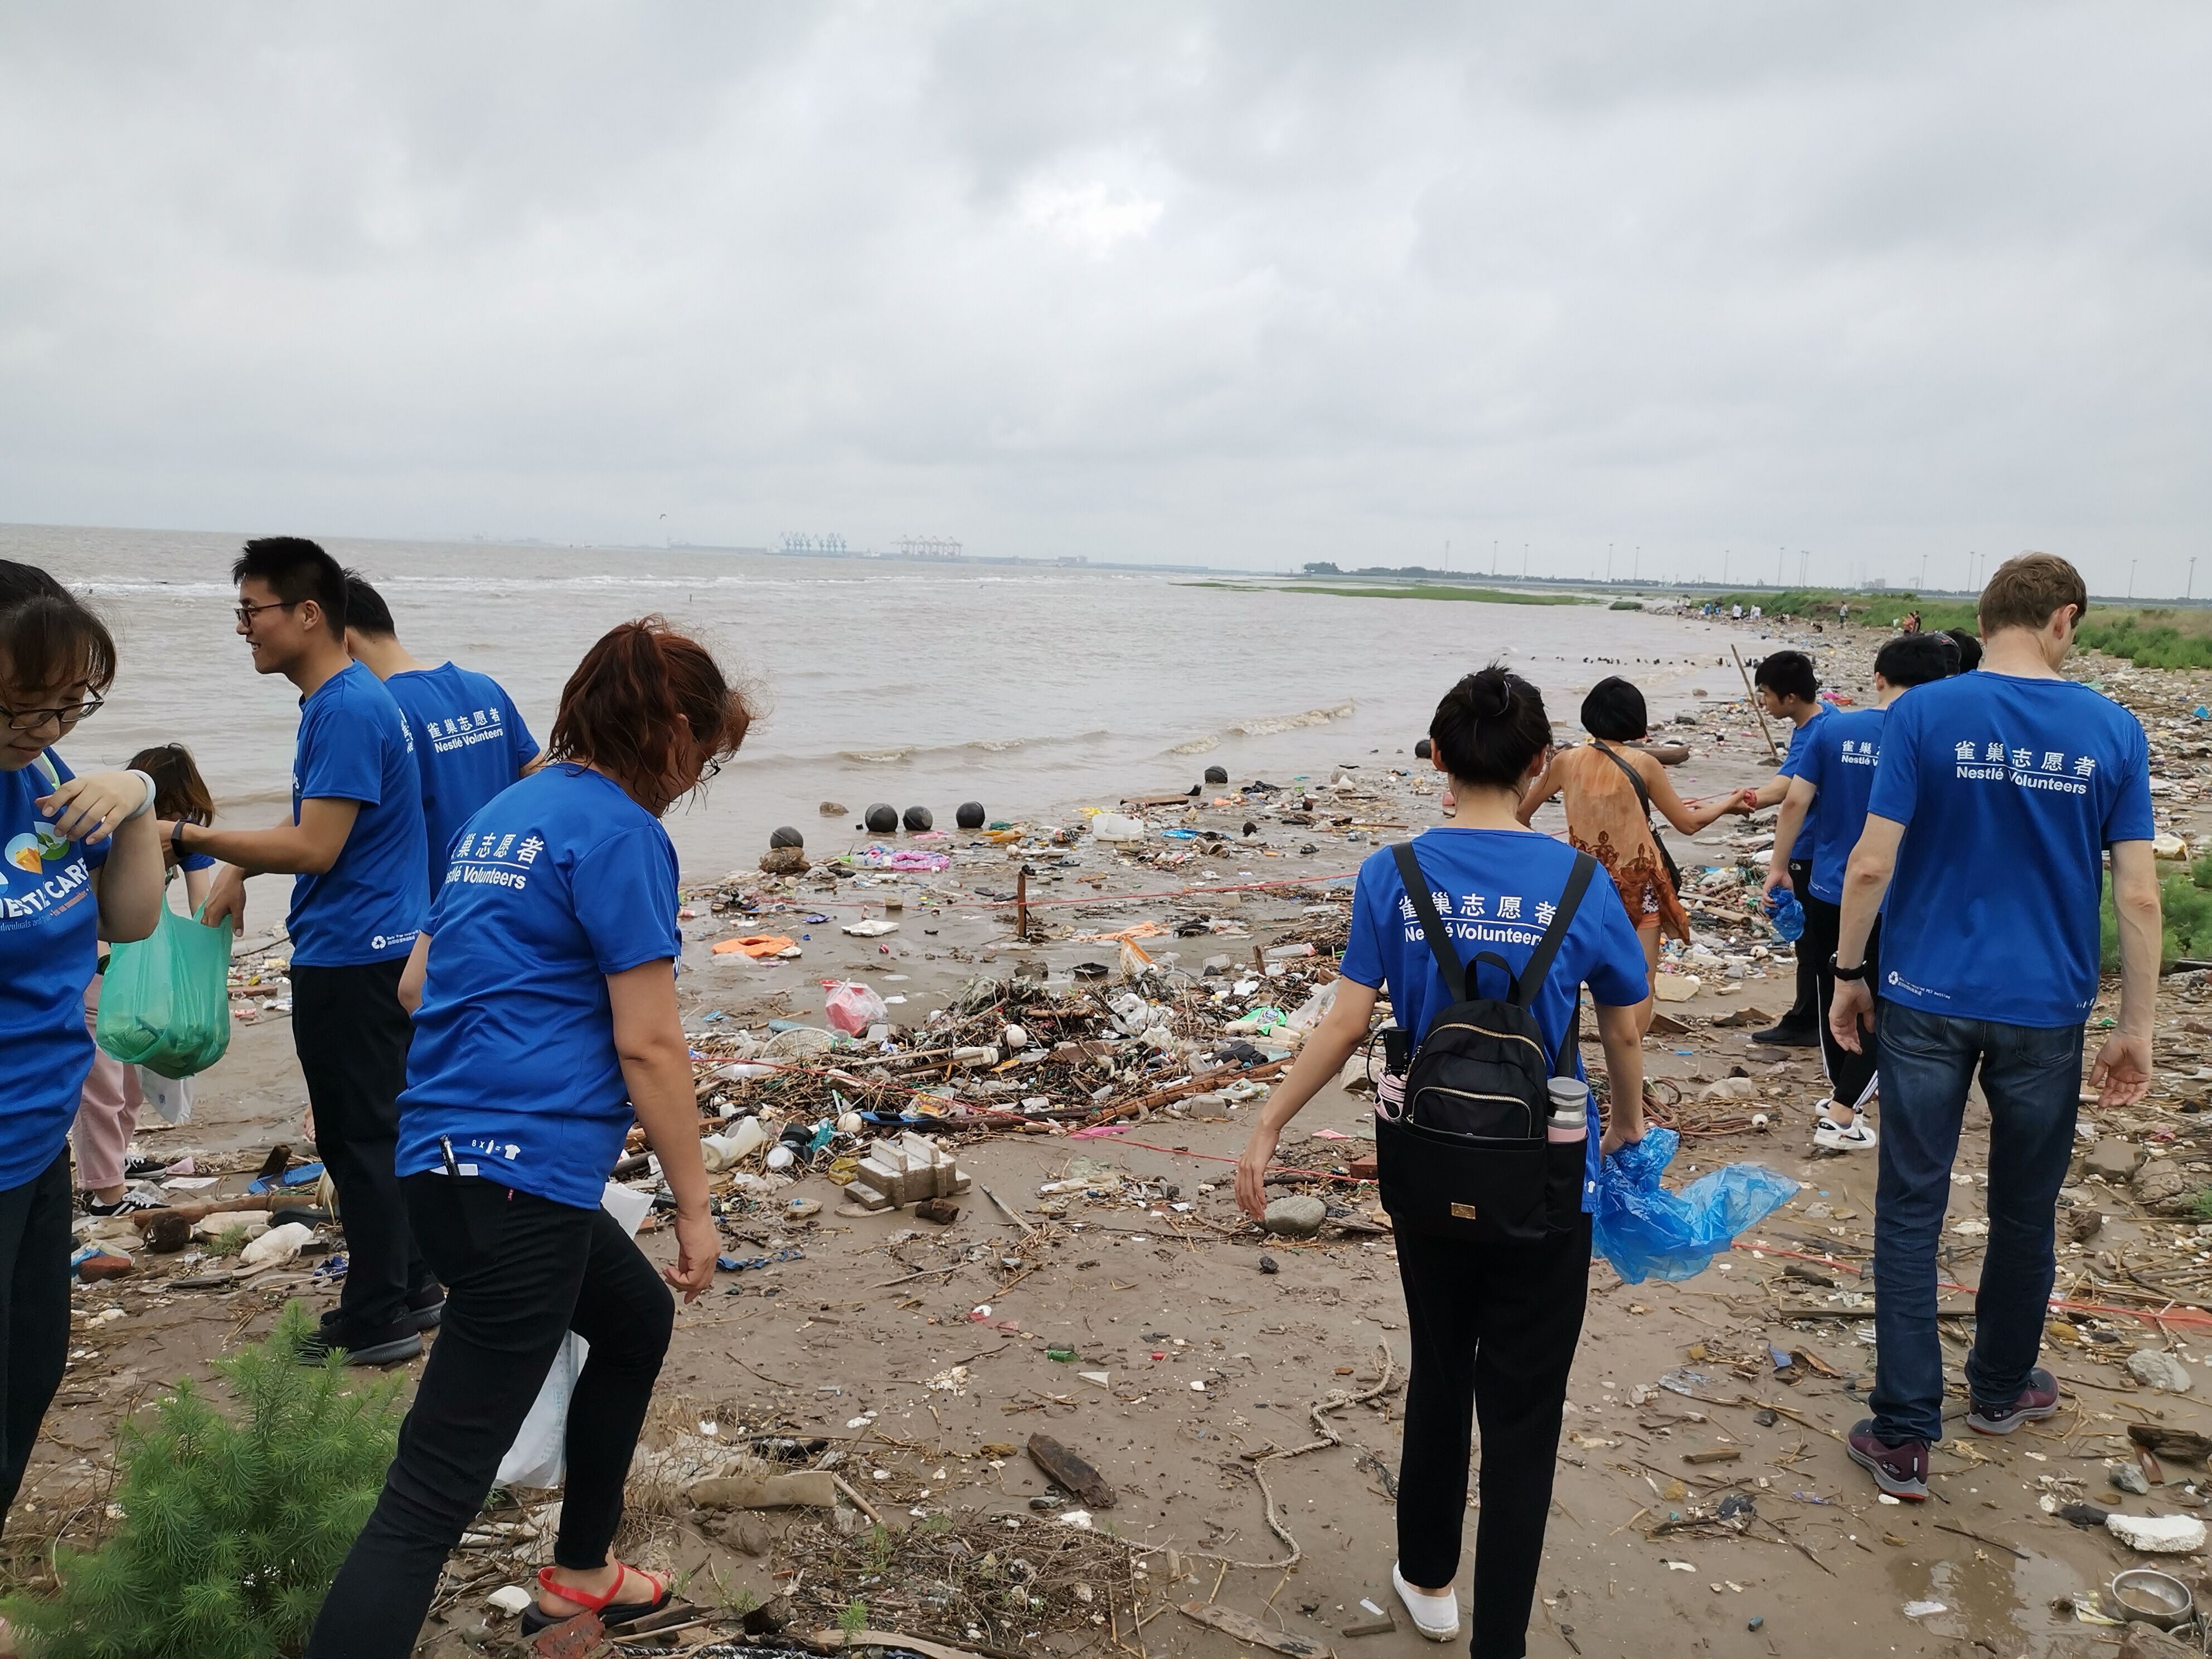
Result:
1703,1504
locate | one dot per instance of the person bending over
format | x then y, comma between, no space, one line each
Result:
1493,1327
545,1020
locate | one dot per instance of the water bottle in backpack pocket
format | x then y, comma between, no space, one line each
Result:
1470,1156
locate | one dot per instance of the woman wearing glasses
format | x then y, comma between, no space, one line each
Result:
544,991
79,862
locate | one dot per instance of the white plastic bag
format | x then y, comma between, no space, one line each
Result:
538,1456
170,1098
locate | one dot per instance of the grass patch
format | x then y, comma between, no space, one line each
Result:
2185,901
2158,637
1412,591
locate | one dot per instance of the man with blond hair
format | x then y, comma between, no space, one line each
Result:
1995,799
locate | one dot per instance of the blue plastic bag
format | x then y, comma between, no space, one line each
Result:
1647,1232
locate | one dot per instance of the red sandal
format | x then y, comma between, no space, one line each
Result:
611,1612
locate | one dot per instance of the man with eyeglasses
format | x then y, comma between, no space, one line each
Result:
355,848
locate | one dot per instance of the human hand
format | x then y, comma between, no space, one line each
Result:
1851,1008
1746,801
1625,1130
88,807
2121,1075
226,897
698,1243
1252,1171
1777,881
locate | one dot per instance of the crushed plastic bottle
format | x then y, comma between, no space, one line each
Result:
1787,914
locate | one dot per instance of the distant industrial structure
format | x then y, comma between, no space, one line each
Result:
818,547
926,547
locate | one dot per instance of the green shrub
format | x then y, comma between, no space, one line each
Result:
2153,644
232,1531
2186,901
1625,604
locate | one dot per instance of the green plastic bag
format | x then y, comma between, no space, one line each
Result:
165,1000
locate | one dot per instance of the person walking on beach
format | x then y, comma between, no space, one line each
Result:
1789,689
354,844
1610,790
1834,765
107,1112
547,1020
1998,795
83,863
470,739
1493,1328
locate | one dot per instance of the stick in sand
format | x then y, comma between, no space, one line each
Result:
1774,753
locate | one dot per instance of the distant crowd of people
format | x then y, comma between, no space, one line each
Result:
483,935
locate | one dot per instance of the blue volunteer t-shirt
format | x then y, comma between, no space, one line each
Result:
354,746
49,952
1495,891
2010,790
1837,757
1793,758
560,880
469,744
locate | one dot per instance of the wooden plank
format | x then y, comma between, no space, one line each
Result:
1064,1467
1245,1628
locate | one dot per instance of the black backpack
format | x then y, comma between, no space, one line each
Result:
1468,1157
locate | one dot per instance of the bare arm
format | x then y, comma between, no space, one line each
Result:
1786,827
1546,786
309,848
2122,1072
127,887
1866,884
1684,816
656,1064
412,976
1341,1030
199,883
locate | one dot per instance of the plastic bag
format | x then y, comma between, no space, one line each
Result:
165,1000
852,1007
539,1455
1647,1232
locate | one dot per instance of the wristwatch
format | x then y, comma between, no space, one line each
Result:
1847,974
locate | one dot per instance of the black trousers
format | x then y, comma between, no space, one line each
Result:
34,1312
1851,1078
1493,1331
351,1036
1805,1010
520,1272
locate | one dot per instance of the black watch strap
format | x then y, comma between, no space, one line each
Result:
1847,974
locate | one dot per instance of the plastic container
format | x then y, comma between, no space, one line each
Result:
1569,1117
727,1151
1787,914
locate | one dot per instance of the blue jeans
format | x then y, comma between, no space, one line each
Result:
2031,1078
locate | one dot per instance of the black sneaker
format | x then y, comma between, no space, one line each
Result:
426,1307
2039,1400
1789,1034
383,1345
1900,1470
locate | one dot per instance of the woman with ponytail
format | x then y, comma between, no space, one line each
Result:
1492,1326
545,1019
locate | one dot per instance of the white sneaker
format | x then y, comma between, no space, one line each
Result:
1436,1616
1860,1137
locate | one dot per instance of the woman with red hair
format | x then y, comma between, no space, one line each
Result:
545,1019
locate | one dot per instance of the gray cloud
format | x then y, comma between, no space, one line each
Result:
1242,284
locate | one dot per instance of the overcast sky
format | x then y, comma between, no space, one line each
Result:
1238,284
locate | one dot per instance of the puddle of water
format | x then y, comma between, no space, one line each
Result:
1989,1597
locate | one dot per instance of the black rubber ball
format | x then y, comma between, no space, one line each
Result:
970,815
918,818
1421,750
882,818
1217,775
787,836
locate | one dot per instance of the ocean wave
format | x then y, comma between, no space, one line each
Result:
1198,745
876,757
1268,725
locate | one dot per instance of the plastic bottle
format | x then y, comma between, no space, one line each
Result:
1788,916
1570,1118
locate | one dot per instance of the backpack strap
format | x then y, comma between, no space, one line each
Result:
1432,925
1642,794
1539,960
